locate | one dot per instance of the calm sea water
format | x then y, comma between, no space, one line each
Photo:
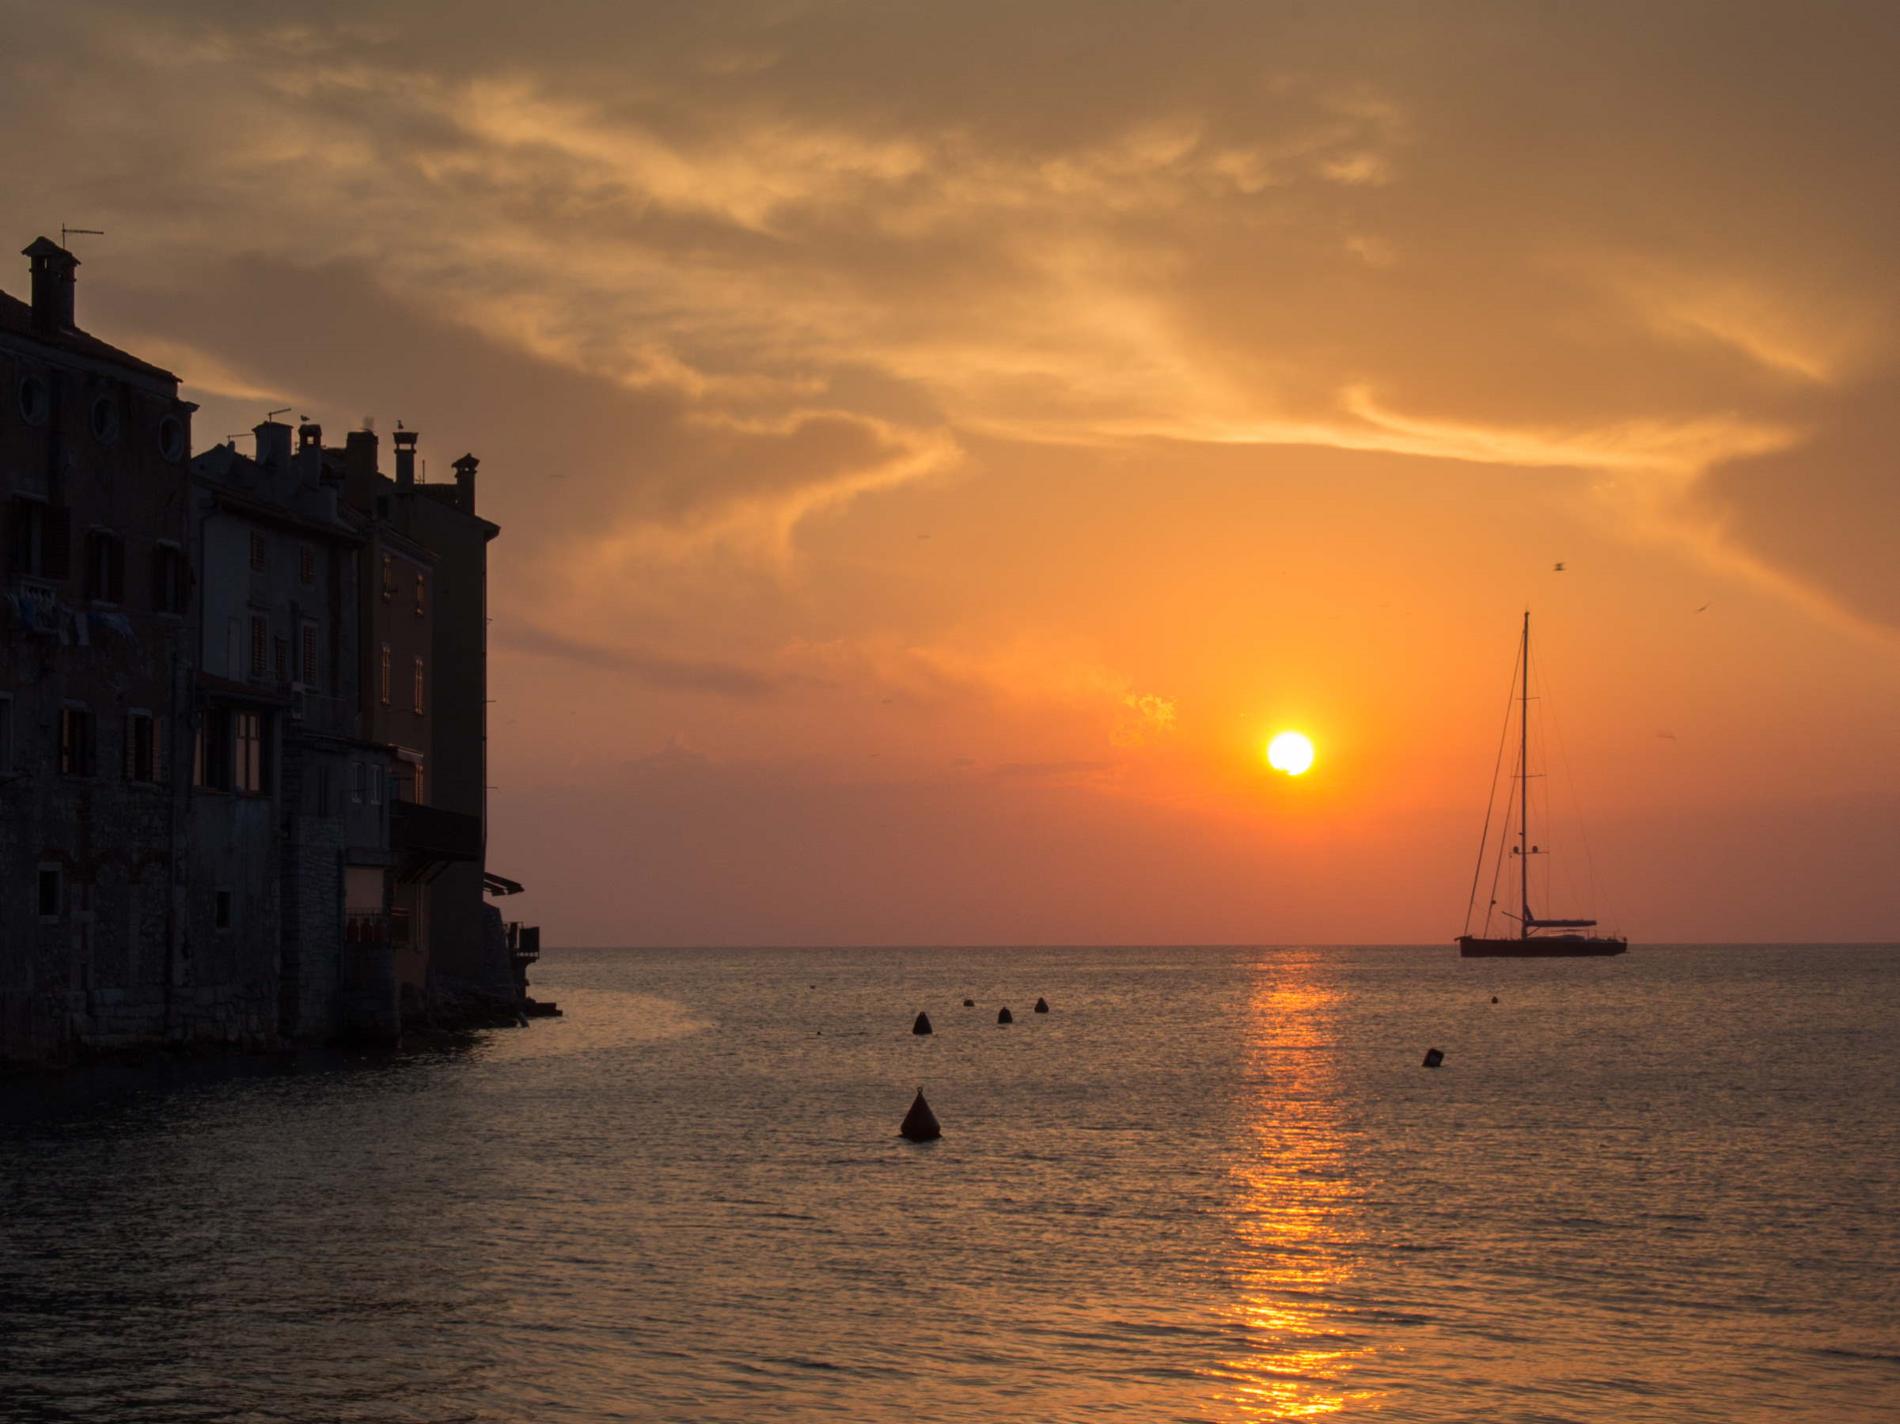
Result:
1211,1185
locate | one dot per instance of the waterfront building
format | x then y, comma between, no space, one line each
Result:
288,840
95,652
243,713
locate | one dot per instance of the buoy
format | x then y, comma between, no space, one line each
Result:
969,1003
1003,1015
1494,998
1042,1006
920,1123
1433,1057
922,1025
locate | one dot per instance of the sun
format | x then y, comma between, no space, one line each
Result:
1290,752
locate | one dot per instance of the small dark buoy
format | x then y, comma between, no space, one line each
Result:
1003,1016
1042,1006
920,1123
922,1025
1494,998
1433,1057
969,1003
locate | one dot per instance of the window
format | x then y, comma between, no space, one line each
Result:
257,549
39,538
281,646
307,656
416,699
52,892
105,567
75,741
247,737
221,909
104,420
389,577
375,784
416,787
385,674
171,437
422,594
356,783
211,757
307,565
36,399
260,645
168,579
141,747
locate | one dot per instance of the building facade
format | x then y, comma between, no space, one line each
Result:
242,718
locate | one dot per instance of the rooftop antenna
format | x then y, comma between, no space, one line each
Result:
271,415
67,234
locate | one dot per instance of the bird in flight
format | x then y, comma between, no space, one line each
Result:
1703,609
1560,567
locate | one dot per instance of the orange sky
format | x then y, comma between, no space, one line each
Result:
937,445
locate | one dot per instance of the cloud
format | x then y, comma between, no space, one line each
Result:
653,669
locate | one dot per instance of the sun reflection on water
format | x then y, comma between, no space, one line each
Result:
1294,1210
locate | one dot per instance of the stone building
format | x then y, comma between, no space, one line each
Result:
95,658
427,700
288,803
243,706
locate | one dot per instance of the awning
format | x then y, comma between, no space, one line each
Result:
499,884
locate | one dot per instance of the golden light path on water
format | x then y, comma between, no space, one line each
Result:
1295,1209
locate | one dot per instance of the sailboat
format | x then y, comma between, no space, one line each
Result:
1537,937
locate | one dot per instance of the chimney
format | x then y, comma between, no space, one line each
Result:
406,459
52,267
465,483
310,453
273,444
359,469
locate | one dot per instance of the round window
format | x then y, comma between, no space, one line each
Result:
105,420
35,400
171,437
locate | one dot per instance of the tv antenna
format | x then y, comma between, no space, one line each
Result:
271,415
67,234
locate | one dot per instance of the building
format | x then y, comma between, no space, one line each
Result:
243,711
427,700
96,658
289,817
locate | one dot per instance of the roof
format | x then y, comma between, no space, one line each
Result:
17,316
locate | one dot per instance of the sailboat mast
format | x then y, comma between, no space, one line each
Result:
1524,789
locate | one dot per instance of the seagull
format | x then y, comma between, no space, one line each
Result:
1560,567
1668,736
1703,609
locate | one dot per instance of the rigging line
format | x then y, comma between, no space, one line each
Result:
1570,780
1490,801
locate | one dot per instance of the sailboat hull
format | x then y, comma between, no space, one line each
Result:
1541,947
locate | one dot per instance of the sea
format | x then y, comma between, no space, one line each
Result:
1209,1184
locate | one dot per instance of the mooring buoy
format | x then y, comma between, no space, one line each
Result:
1494,998
922,1025
969,1003
1433,1057
1042,1006
920,1123
1003,1016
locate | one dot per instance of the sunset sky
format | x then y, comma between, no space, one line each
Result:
937,445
